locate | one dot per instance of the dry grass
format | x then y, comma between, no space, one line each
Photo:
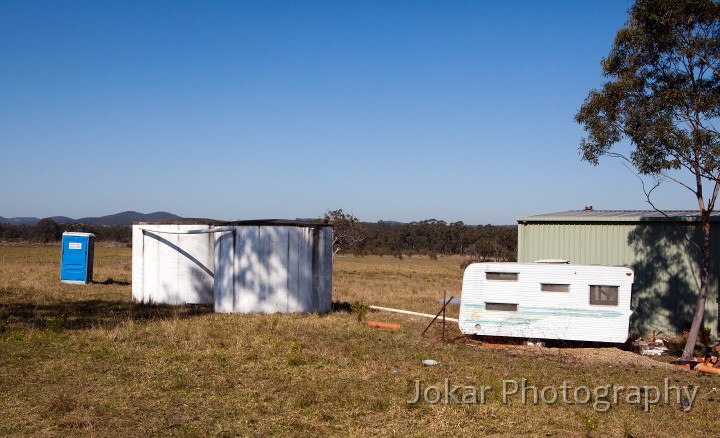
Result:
415,283
84,360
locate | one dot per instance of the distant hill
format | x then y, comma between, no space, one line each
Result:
19,220
62,219
124,218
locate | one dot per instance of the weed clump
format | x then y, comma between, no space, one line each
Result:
359,309
295,357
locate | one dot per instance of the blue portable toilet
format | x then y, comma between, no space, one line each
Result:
77,257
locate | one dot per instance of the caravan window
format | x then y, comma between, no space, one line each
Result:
547,287
501,306
604,295
502,276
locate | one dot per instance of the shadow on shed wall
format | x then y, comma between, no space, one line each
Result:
666,277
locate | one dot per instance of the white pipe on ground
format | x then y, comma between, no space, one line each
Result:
407,312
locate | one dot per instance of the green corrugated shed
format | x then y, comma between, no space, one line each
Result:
660,249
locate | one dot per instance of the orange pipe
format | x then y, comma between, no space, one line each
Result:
385,325
707,369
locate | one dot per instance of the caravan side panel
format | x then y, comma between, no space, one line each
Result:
547,301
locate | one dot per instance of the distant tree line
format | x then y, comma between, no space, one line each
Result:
436,237
49,231
428,237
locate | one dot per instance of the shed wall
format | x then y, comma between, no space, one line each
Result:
666,265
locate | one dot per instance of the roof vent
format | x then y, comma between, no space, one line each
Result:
588,208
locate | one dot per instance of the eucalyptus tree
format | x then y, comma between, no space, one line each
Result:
663,98
348,232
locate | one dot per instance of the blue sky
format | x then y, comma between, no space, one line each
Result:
392,110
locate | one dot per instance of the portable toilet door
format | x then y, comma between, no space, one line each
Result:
77,257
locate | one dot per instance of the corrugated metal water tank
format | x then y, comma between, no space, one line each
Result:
169,267
261,266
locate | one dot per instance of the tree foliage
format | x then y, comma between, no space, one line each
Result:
47,230
663,93
435,237
347,231
428,237
663,96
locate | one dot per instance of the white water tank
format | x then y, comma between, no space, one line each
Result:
169,267
263,266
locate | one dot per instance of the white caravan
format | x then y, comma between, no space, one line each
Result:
547,301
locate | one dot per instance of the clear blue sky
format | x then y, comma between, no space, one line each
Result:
393,110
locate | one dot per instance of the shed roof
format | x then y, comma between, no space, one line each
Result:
618,216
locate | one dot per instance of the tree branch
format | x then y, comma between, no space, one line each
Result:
713,198
708,64
648,194
664,175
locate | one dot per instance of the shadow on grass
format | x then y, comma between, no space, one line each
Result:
78,315
549,343
111,281
341,306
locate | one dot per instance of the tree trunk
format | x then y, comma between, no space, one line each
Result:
697,323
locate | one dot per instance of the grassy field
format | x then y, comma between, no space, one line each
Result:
85,360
